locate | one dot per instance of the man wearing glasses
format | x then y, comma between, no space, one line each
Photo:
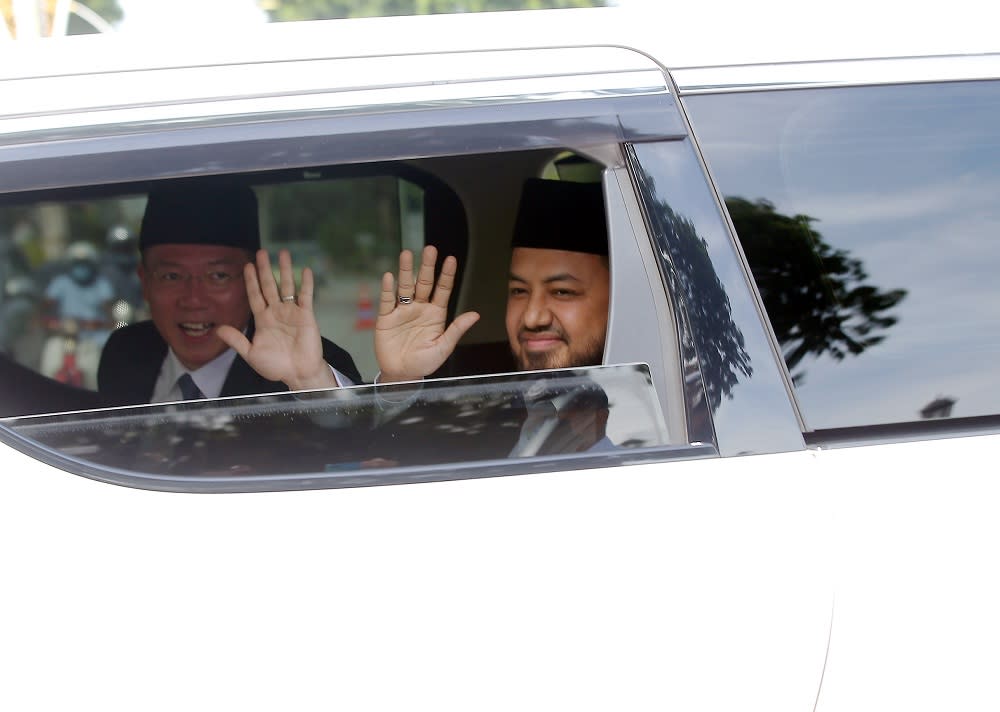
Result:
198,244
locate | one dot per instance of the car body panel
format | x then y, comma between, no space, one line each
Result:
589,589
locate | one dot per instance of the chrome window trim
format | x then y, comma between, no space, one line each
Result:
860,72
104,120
195,120
321,409
642,319
138,152
42,106
216,484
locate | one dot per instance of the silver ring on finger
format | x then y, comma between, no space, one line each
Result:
405,300
289,298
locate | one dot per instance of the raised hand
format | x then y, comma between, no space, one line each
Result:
411,340
286,342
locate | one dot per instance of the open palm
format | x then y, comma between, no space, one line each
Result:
286,342
411,338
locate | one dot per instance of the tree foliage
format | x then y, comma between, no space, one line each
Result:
279,10
109,11
816,296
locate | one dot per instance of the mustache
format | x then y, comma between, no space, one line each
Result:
550,331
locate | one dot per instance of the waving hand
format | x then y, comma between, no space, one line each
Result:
286,342
411,340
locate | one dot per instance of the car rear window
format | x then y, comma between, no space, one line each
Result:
869,218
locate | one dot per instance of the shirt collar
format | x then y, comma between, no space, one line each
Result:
210,378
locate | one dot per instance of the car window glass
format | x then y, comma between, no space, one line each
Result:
347,224
353,436
68,266
869,216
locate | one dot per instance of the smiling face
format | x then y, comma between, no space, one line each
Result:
557,308
191,290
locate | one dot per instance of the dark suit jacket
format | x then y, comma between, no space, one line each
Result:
133,355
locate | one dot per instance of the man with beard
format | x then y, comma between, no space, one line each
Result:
557,299
557,313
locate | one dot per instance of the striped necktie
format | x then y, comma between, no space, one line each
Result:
189,389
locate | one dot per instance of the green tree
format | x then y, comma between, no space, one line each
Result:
108,10
82,18
280,10
816,296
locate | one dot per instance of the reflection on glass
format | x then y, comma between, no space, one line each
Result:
590,411
719,343
902,183
816,296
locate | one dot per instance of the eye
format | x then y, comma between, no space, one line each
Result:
168,276
219,278
564,293
517,291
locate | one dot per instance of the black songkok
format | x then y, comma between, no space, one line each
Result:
201,214
561,215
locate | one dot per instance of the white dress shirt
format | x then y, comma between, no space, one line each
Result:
210,378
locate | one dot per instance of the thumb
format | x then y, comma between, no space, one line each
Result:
457,329
234,339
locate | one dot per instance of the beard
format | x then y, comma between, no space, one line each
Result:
589,353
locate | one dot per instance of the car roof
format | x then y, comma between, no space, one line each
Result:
677,35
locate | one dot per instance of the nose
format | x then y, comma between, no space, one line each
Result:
537,314
192,294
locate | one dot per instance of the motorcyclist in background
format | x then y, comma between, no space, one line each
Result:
78,314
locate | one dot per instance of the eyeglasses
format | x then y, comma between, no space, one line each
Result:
216,280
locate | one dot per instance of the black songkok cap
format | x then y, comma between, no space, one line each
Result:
561,215
201,214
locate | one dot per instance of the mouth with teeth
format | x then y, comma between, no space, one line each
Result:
197,329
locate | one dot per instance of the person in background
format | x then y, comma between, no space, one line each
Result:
77,309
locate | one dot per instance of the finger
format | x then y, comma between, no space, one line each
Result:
446,281
235,339
306,290
387,297
425,278
287,286
406,274
268,287
463,322
254,295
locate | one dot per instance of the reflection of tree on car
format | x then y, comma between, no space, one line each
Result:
815,295
720,346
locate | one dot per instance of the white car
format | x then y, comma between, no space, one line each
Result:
798,513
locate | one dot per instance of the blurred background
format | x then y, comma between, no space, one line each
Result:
24,19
